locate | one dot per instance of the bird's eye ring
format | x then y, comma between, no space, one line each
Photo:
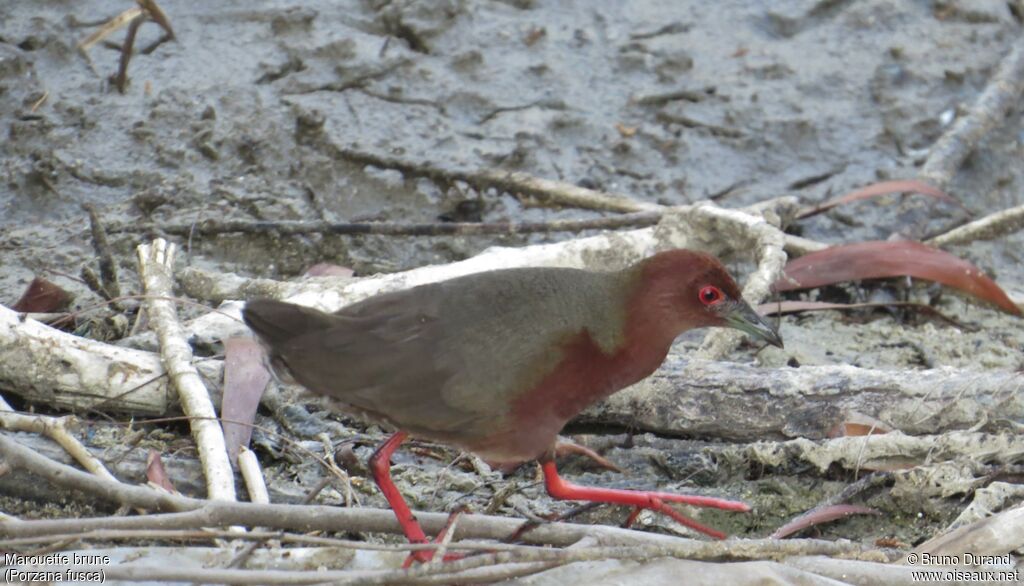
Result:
711,295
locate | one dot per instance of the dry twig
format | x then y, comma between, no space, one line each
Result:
214,227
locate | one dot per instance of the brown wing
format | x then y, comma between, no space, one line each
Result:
380,357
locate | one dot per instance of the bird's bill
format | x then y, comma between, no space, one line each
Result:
745,319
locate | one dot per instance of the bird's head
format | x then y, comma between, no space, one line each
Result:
691,289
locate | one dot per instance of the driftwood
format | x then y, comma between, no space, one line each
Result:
744,403
1001,93
566,566
285,228
50,367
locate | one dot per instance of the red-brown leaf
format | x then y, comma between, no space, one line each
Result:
878,189
820,515
42,296
880,260
155,472
245,379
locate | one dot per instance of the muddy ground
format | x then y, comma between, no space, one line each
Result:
255,111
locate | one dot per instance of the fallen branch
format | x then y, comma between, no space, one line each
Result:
156,264
743,403
128,462
923,466
47,366
995,535
484,568
547,191
990,498
56,429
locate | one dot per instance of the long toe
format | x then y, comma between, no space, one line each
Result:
651,500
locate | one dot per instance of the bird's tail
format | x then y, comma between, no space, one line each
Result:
277,322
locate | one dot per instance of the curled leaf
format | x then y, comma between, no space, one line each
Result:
820,515
881,260
879,189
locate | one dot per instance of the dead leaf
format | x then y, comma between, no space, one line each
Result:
42,296
881,260
625,131
879,189
156,474
820,515
245,378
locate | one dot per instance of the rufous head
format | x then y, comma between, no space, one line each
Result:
692,289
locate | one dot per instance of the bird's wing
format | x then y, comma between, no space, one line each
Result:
449,357
378,358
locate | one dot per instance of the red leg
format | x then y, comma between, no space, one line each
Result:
655,501
380,467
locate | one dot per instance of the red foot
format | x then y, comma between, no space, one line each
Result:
380,467
655,501
440,537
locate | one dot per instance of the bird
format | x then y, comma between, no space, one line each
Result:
497,362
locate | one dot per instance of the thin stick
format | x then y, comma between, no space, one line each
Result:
215,227
249,466
552,192
110,288
990,227
126,51
54,428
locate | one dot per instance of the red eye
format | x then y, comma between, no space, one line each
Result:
711,295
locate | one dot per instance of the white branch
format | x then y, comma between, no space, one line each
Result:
156,263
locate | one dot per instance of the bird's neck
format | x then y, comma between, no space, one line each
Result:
647,329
